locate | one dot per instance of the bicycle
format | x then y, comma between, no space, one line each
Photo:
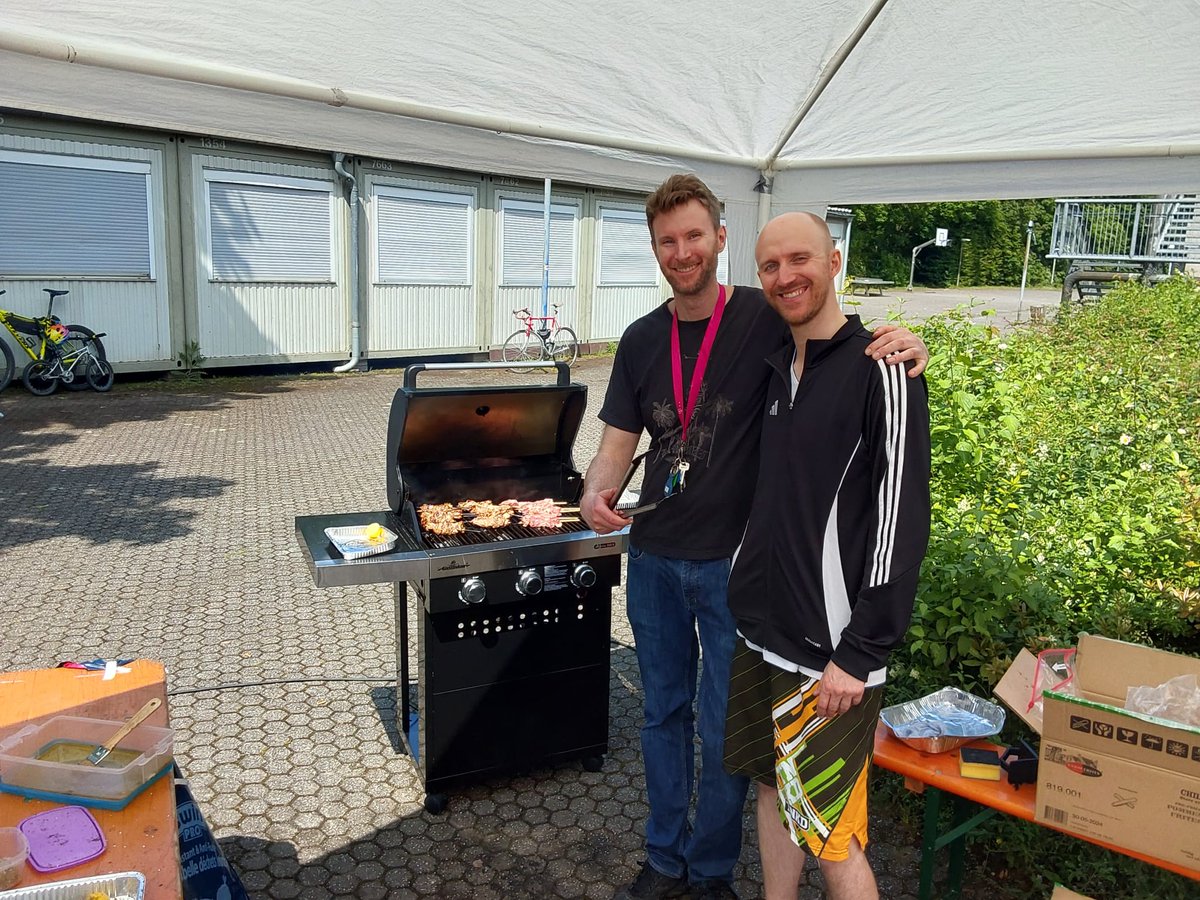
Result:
71,354
548,341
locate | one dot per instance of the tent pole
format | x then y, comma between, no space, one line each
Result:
546,251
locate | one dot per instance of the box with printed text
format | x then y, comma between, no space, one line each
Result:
1121,777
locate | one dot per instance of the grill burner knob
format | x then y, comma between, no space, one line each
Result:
529,582
583,576
472,590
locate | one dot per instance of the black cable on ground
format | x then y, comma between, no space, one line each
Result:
250,684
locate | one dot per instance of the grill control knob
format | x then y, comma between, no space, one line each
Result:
529,582
583,576
472,590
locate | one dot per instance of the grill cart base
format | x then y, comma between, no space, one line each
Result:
501,686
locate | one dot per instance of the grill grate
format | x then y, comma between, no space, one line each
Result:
480,536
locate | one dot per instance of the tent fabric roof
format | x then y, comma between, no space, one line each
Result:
866,100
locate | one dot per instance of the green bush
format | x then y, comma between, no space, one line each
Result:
1066,498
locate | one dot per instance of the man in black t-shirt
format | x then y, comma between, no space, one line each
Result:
702,352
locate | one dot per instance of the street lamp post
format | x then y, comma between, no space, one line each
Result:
958,277
1025,270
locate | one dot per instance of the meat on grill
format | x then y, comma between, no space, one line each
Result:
450,518
441,518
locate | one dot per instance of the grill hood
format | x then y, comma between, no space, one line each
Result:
485,442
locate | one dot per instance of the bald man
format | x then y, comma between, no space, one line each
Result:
822,586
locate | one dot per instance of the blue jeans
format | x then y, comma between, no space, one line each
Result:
669,601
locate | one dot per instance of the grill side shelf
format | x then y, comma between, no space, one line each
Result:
407,562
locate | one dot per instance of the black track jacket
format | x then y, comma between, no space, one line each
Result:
828,565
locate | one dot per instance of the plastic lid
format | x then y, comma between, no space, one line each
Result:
61,838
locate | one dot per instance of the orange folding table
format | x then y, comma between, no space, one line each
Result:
975,801
142,837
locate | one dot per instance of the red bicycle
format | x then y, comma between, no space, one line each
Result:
547,340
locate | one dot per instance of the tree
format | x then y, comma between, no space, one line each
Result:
884,235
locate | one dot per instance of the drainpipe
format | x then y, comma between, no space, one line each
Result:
766,181
355,348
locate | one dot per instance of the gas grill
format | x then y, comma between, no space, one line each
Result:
512,623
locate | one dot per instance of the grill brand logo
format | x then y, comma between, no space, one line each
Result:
606,545
452,565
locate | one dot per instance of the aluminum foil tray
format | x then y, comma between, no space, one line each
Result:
943,720
353,543
119,886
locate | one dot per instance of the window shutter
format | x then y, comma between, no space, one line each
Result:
523,231
74,220
264,232
626,256
423,237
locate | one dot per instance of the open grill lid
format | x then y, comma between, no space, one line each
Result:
486,442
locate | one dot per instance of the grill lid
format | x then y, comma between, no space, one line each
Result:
484,442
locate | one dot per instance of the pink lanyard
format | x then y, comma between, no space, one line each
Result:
710,335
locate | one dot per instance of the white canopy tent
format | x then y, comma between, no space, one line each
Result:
846,101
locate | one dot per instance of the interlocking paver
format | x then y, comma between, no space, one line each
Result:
171,514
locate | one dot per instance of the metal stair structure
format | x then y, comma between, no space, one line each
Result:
1142,236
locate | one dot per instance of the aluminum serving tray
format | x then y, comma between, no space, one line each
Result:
935,708
354,542
118,886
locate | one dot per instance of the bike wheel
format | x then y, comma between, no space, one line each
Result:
565,346
9,365
78,340
80,330
39,379
521,347
99,375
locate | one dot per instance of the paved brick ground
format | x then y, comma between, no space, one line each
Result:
156,523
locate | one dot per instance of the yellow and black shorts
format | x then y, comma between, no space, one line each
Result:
820,766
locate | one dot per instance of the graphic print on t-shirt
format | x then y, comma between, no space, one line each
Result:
702,432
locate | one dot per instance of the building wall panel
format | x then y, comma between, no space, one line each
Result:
286,320
133,312
615,307
408,318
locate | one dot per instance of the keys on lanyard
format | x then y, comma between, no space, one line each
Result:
677,479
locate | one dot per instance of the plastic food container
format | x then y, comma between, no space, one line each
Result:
30,761
62,837
943,720
119,886
13,851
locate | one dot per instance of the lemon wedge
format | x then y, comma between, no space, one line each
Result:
374,532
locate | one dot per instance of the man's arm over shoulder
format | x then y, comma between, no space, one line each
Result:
897,435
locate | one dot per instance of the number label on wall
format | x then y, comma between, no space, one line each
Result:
381,164
213,143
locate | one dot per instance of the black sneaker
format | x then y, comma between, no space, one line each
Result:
711,890
652,884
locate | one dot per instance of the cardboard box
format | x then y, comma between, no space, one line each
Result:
1061,893
1120,777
